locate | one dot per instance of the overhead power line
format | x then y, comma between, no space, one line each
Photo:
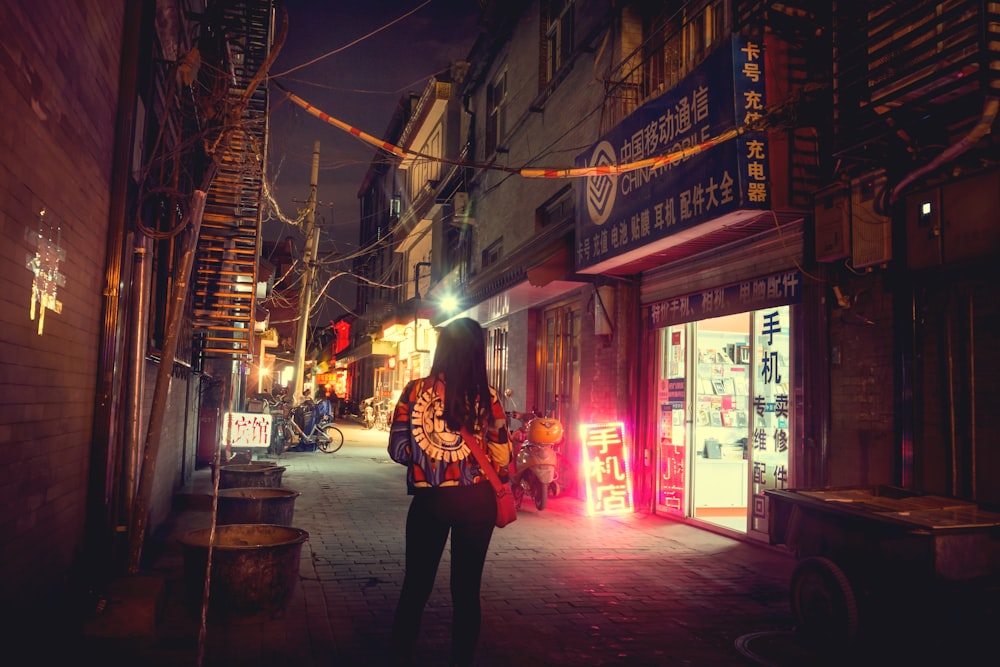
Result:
533,172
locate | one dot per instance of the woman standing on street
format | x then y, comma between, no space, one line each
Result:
450,492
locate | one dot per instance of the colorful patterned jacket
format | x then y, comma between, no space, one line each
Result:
433,455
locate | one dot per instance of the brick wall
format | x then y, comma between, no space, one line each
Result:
861,385
59,81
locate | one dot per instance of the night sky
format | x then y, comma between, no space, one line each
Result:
360,85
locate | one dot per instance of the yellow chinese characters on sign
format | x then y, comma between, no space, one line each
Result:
607,473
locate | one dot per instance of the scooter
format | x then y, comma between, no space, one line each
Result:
535,457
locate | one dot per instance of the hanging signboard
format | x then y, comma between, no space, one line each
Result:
606,464
246,429
755,294
718,173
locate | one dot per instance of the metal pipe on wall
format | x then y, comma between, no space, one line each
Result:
950,380
133,413
971,343
104,455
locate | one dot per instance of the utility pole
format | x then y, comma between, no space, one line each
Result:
305,293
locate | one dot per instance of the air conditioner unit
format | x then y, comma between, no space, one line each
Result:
460,204
461,207
832,216
871,230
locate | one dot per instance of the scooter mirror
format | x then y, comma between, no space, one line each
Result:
508,392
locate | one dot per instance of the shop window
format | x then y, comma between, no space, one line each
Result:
733,375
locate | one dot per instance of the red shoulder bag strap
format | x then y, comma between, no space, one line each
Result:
476,446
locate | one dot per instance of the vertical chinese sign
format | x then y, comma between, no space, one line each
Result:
607,473
771,428
748,79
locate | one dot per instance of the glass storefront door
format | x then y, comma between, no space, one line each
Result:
560,363
720,431
723,416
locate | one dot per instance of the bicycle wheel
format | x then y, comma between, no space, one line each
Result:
288,438
331,440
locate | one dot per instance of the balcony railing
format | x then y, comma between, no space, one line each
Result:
646,72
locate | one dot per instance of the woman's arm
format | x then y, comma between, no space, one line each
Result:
399,429
497,433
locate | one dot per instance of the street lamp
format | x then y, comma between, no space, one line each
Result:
449,304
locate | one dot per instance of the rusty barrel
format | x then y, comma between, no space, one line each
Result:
250,475
255,568
256,505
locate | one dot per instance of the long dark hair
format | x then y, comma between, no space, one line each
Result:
460,359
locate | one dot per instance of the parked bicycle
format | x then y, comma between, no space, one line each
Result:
324,434
377,413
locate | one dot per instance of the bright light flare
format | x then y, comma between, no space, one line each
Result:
449,303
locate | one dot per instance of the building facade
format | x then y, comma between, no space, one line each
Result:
754,238
130,272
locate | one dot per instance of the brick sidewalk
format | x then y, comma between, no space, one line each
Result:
560,588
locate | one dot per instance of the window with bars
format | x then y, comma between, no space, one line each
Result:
560,209
496,118
492,253
457,252
557,20
496,358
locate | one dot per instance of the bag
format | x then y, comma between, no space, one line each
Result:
506,506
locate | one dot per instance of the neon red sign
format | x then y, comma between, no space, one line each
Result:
607,472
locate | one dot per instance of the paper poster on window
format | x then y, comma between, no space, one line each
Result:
672,458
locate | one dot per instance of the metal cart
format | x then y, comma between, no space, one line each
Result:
881,552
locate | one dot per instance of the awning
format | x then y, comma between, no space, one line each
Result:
538,272
366,349
556,266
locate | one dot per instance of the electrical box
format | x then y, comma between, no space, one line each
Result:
954,222
923,229
971,215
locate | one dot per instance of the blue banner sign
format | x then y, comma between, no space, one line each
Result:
618,214
779,289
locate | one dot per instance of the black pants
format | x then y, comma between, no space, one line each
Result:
469,514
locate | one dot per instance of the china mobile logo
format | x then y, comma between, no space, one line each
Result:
601,189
